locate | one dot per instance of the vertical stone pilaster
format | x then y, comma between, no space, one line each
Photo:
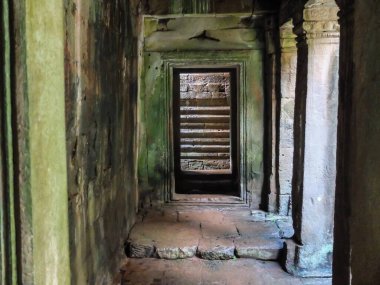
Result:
315,139
270,199
286,141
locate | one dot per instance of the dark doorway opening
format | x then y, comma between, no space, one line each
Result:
205,131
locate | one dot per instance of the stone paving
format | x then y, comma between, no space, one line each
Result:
196,271
203,245
213,234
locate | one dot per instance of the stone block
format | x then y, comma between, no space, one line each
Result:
169,240
286,229
215,87
308,260
286,170
177,249
258,229
184,87
140,248
284,208
258,248
214,249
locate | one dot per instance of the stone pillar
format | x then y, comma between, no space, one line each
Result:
271,121
288,83
315,137
342,237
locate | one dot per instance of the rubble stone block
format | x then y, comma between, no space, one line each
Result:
140,249
214,249
178,250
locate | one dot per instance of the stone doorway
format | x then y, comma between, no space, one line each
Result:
205,131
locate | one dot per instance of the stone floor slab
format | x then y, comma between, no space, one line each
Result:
169,239
218,230
196,271
208,216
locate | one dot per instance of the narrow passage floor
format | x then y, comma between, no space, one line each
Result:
208,245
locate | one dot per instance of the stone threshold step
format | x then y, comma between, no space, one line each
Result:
209,249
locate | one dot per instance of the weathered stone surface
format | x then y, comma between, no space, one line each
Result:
218,230
308,260
170,240
204,216
258,248
216,249
100,130
140,248
315,160
257,216
195,271
258,229
160,216
285,205
286,229
176,250
236,215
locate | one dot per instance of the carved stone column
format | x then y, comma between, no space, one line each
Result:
286,141
315,137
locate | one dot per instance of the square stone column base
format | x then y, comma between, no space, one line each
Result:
308,260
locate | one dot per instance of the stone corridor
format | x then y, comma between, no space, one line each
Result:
119,166
209,245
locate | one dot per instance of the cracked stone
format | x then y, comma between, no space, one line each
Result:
213,249
262,249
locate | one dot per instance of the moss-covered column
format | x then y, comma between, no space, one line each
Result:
285,140
270,195
315,139
41,161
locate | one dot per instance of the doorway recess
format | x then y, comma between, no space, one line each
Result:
205,131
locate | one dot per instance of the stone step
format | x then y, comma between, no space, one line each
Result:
205,119
204,156
212,240
221,110
206,148
211,133
205,141
205,102
219,126
203,95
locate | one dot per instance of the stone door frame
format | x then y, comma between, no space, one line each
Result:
196,60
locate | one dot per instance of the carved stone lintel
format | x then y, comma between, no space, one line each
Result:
321,29
317,21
